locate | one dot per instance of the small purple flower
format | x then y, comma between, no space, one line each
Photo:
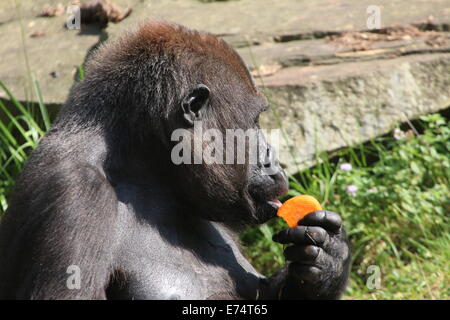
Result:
346,167
351,189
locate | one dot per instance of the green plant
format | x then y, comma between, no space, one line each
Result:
21,127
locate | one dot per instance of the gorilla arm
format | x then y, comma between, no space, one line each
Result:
72,224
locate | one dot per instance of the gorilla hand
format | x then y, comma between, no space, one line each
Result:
320,257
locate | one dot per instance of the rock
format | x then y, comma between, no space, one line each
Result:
325,108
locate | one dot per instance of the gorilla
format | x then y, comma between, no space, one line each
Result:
101,211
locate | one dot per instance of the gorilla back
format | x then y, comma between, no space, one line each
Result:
102,211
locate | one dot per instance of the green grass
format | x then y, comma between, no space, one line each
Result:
397,220
21,128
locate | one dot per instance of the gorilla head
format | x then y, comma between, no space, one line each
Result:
176,78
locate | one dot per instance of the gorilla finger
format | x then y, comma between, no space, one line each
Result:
329,220
304,272
301,235
306,254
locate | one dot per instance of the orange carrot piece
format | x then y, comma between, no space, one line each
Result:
296,208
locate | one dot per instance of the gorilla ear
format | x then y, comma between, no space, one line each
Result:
194,104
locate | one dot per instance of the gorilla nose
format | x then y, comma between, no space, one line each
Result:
281,180
269,157
272,168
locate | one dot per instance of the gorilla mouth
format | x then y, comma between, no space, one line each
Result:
266,210
265,200
264,191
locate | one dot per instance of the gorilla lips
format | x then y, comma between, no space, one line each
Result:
296,208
